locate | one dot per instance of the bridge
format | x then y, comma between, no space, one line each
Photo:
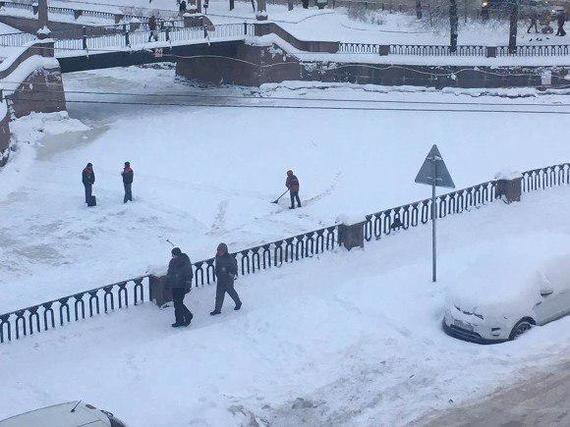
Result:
134,48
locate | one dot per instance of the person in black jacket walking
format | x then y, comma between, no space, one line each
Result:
226,271
179,280
128,176
88,178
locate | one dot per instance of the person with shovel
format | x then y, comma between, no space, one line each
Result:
292,184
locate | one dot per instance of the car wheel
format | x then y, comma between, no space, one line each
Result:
519,329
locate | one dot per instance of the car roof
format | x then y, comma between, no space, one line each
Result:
59,415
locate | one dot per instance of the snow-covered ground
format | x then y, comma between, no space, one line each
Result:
208,174
346,339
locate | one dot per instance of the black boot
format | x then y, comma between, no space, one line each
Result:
177,325
215,312
188,319
238,306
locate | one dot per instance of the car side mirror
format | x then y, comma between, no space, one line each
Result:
546,291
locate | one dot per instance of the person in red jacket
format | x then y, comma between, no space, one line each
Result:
292,184
128,176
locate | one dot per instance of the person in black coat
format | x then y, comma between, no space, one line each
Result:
179,280
88,179
225,270
561,19
128,175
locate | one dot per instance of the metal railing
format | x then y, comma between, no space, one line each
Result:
142,36
82,305
417,213
543,178
535,50
462,50
16,39
72,308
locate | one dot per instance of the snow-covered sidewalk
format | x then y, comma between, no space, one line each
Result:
346,339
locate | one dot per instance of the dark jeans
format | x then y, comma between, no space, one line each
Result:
88,192
181,312
561,31
532,25
295,196
221,289
128,192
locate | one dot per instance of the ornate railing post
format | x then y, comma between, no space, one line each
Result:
509,186
351,232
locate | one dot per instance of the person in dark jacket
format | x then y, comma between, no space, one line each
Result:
88,179
152,27
561,19
128,175
182,7
533,21
226,270
292,184
179,280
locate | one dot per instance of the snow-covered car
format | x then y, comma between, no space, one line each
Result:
69,414
508,300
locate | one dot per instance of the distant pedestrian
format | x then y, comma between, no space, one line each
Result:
305,4
179,280
152,27
128,176
561,19
226,270
182,7
88,179
533,21
292,184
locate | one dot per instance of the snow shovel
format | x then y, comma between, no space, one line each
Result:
278,198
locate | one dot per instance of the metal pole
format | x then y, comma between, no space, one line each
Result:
433,220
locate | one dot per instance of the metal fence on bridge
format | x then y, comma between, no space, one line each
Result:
143,36
82,305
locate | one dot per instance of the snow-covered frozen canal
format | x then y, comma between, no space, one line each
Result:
205,174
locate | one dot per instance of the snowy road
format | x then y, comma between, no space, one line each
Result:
540,401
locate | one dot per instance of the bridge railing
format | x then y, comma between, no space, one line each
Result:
142,36
16,39
81,305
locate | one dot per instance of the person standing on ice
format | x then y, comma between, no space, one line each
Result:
292,183
225,270
88,178
128,176
179,280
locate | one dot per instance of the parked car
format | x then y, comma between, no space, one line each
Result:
70,414
508,300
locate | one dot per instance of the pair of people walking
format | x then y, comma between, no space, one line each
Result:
88,179
179,280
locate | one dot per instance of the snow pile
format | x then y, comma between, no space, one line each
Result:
508,175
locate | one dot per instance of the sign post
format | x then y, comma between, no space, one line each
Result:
434,172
